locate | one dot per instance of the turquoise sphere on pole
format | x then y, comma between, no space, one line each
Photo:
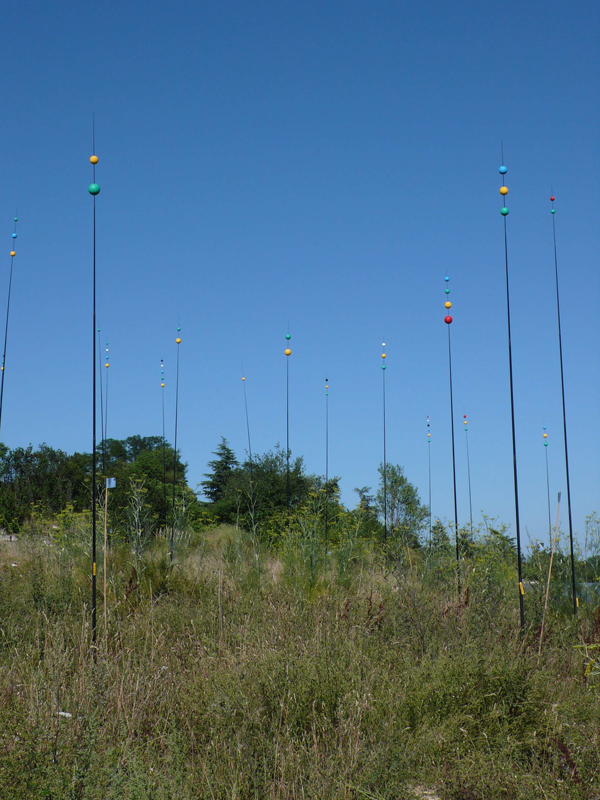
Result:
504,211
94,189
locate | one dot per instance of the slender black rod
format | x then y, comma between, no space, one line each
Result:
12,258
564,410
454,463
514,438
548,493
94,367
172,553
429,471
287,445
252,496
106,395
164,440
326,465
385,525
469,478
102,441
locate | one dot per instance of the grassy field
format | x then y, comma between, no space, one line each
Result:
249,674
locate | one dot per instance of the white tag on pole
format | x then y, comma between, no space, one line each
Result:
111,483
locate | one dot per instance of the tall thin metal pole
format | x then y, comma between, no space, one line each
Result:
548,486
172,546
107,365
103,443
429,466
249,443
326,464
288,353
383,356
94,190
164,440
504,211
468,472
448,321
564,410
3,366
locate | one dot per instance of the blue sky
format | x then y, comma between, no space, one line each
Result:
326,165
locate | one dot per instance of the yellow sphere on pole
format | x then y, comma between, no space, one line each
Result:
288,352
383,355
243,379
12,252
504,190
178,340
107,364
447,304
93,159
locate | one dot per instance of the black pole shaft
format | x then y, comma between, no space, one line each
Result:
326,470
5,339
429,460
287,447
384,464
548,491
454,464
94,433
172,554
103,444
164,449
514,438
469,477
564,410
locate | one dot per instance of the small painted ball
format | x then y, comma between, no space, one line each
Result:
545,444
446,279
502,170
448,319
383,355
326,386
504,190
162,384
504,211
94,189
14,236
16,219
545,436
12,252
552,198
178,340
464,416
553,211
243,379
178,329
544,427
107,364
447,291
447,304
288,336
288,352
93,159
466,429
383,366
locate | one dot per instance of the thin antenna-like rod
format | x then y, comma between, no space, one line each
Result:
548,487
469,472
252,495
429,465
326,464
164,441
172,554
3,366
94,190
288,353
103,443
385,526
107,365
453,458
504,212
564,410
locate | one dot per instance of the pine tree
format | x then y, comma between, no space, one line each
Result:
222,469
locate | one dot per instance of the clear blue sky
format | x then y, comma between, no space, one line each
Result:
326,164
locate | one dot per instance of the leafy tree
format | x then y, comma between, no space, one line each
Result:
405,514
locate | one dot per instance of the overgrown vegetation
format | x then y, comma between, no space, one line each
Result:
300,656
